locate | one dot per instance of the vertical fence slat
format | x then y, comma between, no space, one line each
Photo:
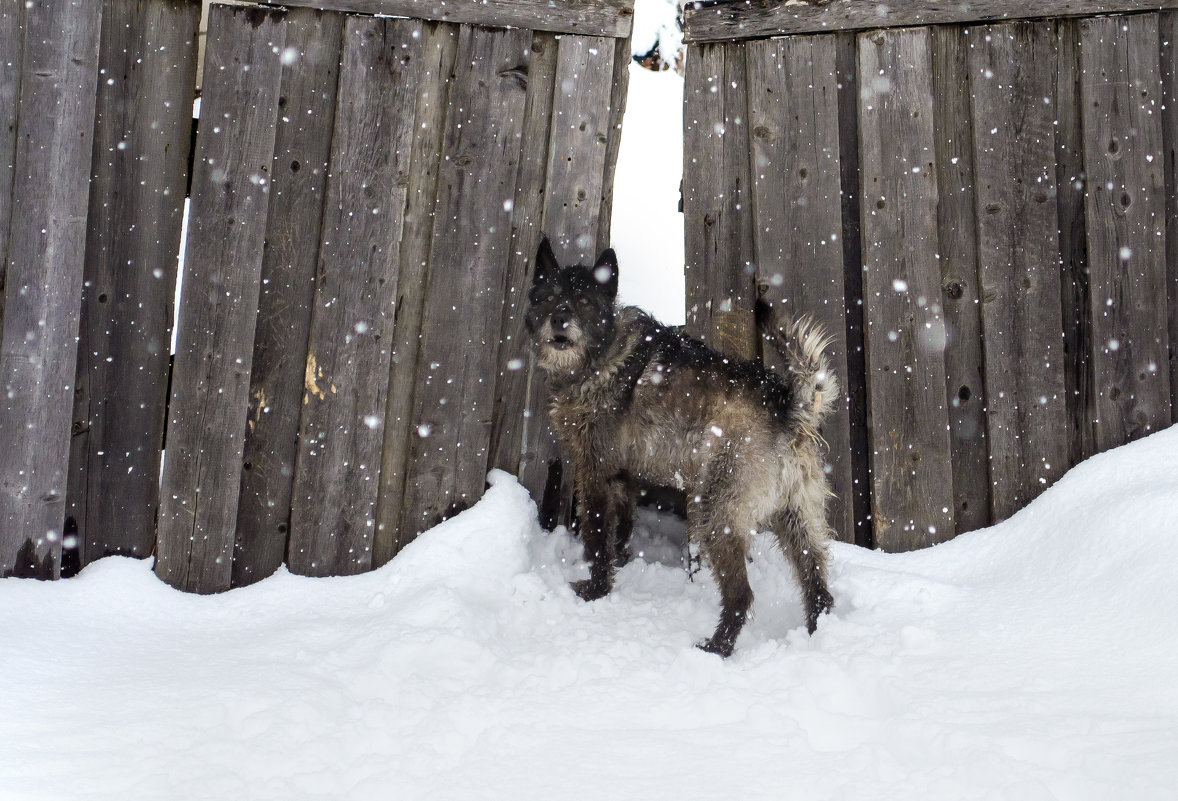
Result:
215,334
793,125
577,146
333,517
847,63
1123,159
1070,183
717,212
298,180
1168,34
142,139
11,56
439,49
619,87
959,296
522,441
578,135
913,487
455,399
43,280
1012,73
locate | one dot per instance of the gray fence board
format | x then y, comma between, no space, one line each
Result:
793,125
585,17
911,452
704,22
1124,162
717,210
215,335
439,50
454,399
12,48
1071,183
579,133
522,441
142,139
847,63
620,87
1012,72
959,297
1168,34
576,149
333,516
43,280
298,181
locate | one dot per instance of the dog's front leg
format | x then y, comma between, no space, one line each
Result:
593,515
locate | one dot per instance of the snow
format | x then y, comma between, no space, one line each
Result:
1032,660
646,225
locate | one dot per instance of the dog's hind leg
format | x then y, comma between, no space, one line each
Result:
802,531
726,551
621,505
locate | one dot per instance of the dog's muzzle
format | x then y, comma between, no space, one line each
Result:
562,331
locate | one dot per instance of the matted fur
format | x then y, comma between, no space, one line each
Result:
634,401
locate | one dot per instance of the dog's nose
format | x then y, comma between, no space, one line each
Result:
560,319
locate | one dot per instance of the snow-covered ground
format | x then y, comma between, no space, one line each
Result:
1033,660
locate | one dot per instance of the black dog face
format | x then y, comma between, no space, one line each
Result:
571,310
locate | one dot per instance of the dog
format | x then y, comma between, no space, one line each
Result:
634,401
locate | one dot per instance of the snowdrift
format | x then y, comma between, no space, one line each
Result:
1032,660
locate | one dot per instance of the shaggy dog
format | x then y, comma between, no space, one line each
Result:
632,400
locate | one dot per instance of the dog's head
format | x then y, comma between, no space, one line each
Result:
571,310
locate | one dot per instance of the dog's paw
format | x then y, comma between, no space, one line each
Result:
623,558
590,590
712,645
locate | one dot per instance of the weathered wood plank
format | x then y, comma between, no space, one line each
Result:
218,309
573,189
585,17
1070,181
959,297
847,64
793,124
439,49
617,109
749,19
1168,34
1012,73
522,441
717,211
11,56
911,451
580,128
342,429
1124,162
298,180
142,139
42,291
454,399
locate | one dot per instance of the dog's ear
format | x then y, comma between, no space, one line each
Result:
546,263
606,272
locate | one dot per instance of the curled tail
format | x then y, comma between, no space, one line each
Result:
802,344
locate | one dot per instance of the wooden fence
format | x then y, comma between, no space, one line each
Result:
366,193
983,205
